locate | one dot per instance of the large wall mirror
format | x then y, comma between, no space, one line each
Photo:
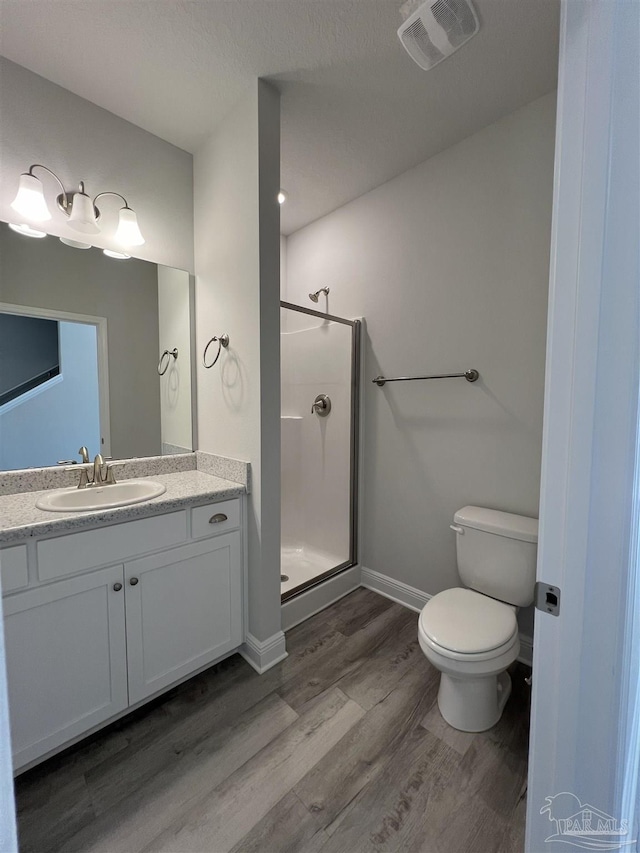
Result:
82,337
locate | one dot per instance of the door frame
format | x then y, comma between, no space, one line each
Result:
8,836
103,356
585,709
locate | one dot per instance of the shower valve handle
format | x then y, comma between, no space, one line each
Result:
321,405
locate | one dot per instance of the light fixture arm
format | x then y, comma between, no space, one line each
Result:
109,192
65,197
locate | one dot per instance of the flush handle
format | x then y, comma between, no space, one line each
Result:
457,529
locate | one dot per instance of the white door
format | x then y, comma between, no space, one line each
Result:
184,610
66,660
583,763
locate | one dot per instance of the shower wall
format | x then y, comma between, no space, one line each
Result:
316,359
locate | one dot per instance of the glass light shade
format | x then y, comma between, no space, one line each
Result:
128,233
27,231
119,256
29,201
83,216
75,244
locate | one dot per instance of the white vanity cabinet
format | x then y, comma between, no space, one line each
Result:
66,660
184,610
85,642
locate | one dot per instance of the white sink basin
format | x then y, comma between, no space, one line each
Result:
100,497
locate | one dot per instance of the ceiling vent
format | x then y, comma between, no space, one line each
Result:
437,29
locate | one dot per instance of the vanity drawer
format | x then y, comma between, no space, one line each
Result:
80,552
13,566
208,520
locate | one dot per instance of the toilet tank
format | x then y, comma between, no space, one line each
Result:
497,553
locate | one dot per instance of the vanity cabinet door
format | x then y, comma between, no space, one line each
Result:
184,610
66,660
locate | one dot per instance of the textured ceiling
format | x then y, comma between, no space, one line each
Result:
356,111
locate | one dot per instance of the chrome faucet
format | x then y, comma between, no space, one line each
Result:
84,455
99,475
98,465
102,474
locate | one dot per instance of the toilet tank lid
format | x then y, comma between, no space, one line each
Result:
500,523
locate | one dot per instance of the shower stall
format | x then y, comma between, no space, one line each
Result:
320,378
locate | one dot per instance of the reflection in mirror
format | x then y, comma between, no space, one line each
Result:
81,337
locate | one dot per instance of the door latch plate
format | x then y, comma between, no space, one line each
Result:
547,598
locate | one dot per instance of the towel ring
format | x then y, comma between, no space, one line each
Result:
168,353
223,341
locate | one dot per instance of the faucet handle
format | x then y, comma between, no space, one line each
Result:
110,479
84,479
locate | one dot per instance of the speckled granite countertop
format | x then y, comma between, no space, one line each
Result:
19,518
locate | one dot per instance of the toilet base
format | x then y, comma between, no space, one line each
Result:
473,704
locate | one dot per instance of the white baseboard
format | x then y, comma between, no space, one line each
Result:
415,599
526,650
263,654
397,591
307,604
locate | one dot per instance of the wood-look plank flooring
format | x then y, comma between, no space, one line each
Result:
338,749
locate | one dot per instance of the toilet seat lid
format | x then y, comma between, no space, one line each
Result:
462,620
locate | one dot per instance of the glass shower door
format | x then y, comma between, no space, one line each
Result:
319,421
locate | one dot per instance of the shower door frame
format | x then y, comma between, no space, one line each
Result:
354,447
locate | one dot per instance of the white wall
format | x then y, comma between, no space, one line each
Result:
316,476
449,265
44,123
174,324
237,285
35,429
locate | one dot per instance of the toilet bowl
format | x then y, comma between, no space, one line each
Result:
471,635
460,635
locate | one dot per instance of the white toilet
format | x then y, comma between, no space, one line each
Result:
471,635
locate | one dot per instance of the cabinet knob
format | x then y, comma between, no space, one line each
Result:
117,587
217,518
133,581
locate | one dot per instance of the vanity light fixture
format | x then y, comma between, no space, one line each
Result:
282,196
79,207
27,230
119,256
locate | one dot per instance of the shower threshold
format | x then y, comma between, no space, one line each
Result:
305,567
